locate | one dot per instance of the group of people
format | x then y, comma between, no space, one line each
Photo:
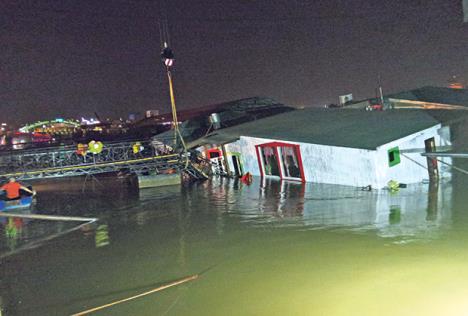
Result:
13,189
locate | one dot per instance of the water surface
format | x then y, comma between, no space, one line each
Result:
271,248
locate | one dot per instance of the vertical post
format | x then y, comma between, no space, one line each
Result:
175,122
381,94
167,57
431,161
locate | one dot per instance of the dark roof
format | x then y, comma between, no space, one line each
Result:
230,114
447,117
434,95
334,127
247,105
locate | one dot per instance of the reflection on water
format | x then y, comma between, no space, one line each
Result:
311,243
417,209
19,233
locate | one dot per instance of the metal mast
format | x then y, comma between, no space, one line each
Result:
167,57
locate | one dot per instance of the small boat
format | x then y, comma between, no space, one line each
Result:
22,203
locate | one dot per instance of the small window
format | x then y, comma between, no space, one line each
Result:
393,156
214,154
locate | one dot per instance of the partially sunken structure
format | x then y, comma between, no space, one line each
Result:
353,147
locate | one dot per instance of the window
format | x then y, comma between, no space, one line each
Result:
213,153
393,156
289,162
281,160
270,161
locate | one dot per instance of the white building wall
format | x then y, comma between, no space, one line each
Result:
338,165
412,167
322,164
229,150
246,147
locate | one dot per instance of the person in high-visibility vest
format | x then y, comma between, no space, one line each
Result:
81,149
137,147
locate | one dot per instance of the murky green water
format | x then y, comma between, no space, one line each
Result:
265,249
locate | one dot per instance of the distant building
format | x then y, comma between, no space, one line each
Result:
345,99
57,126
151,113
430,98
346,147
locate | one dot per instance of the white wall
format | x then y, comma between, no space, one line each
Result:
322,164
338,165
412,167
229,149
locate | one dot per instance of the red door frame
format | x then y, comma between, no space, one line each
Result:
214,150
275,145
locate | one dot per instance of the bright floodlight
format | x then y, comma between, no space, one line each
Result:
167,56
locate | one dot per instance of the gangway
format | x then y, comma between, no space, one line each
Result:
137,157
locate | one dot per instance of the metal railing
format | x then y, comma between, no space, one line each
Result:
134,156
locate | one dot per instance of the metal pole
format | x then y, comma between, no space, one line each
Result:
168,60
173,105
381,93
440,154
175,121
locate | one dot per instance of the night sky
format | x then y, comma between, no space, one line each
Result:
73,58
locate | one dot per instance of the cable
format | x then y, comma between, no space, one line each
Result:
439,160
160,288
422,166
452,166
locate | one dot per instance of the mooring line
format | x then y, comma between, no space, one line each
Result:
452,166
442,162
49,217
411,159
160,288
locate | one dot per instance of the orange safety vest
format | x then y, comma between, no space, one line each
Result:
12,189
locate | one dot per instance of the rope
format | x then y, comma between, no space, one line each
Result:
441,161
160,288
49,217
161,37
452,166
174,110
175,121
422,166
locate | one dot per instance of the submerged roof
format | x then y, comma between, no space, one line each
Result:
334,127
434,95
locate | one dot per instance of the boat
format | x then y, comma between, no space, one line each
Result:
22,203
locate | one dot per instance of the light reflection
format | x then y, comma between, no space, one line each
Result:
420,209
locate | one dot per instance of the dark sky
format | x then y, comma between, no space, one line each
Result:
71,58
